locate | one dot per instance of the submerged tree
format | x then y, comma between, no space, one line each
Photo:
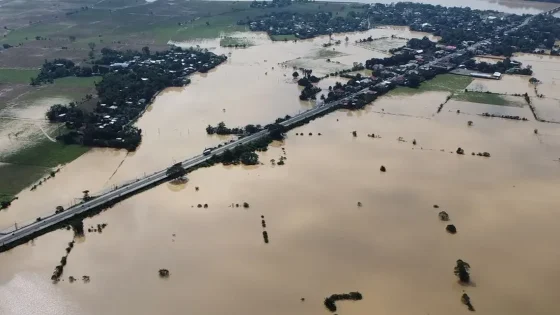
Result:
467,301
451,229
443,216
462,271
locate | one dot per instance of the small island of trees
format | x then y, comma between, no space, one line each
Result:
331,300
461,270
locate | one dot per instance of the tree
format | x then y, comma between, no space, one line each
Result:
249,158
146,50
91,45
176,170
86,195
462,271
451,229
295,74
443,216
414,81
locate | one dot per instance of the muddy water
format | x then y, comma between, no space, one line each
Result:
252,87
392,249
547,70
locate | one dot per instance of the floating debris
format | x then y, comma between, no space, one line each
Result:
164,273
383,169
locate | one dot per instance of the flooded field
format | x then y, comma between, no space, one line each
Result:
392,249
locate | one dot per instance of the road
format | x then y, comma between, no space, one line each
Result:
9,239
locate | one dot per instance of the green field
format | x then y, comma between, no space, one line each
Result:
445,82
76,82
479,97
24,167
17,177
17,76
45,154
456,85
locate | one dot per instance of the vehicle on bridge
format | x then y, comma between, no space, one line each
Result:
207,151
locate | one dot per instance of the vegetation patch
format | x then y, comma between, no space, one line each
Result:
235,42
16,177
330,301
17,76
445,82
44,154
482,97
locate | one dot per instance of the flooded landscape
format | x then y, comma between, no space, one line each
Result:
335,222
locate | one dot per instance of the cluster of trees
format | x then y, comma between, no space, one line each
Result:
330,301
176,171
461,270
306,25
309,91
394,60
60,68
505,66
221,129
271,4
59,269
423,43
125,93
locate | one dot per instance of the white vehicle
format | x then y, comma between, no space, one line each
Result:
207,151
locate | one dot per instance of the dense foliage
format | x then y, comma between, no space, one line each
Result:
60,68
330,301
505,66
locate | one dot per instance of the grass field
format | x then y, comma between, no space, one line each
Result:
445,82
77,82
17,177
44,154
456,85
24,167
479,97
17,76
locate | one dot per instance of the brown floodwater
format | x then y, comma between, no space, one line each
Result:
393,249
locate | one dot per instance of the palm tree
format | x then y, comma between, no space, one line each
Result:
462,271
